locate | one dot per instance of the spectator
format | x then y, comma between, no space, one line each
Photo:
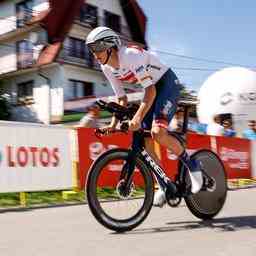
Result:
90,118
250,133
215,128
228,130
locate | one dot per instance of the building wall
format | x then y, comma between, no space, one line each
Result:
8,20
59,74
8,60
39,111
8,51
111,6
8,13
101,85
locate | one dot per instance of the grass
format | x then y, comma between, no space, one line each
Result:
55,197
38,198
111,193
77,116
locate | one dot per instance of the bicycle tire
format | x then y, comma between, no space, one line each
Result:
116,224
207,204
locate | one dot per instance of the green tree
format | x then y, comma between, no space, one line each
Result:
5,112
189,96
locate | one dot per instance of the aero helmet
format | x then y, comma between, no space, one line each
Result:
102,38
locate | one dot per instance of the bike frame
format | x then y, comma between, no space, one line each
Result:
138,150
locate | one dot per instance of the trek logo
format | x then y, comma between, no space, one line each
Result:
152,163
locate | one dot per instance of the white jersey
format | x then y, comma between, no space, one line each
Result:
136,65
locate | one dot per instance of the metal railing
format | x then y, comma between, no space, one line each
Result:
25,59
86,61
23,16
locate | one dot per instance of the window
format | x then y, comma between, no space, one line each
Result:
78,89
112,21
76,48
25,92
24,54
24,12
89,14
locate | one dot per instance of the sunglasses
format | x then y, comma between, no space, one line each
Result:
97,47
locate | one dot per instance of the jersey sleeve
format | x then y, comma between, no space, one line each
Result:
115,83
138,60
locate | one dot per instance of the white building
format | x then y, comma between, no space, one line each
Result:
45,67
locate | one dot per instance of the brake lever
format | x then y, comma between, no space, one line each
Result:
98,133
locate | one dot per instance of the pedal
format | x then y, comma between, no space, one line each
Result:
171,194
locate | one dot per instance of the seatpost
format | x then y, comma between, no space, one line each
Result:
185,120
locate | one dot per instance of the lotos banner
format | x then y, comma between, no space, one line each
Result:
34,157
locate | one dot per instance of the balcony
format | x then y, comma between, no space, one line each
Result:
86,61
91,22
25,59
23,16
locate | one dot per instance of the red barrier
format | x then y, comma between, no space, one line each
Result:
234,152
194,142
90,147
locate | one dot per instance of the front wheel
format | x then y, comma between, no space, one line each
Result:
209,201
115,207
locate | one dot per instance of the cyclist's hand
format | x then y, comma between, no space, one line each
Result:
135,124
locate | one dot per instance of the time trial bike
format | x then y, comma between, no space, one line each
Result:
123,201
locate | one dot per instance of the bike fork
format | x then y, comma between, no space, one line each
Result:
128,170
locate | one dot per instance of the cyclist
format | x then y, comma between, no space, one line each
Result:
133,64
89,120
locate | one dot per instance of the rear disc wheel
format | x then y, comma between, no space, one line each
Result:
208,202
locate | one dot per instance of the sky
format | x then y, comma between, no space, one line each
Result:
215,30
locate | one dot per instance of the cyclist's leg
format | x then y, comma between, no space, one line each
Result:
149,142
159,197
165,108
168,93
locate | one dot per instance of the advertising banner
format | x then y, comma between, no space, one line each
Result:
235,153
34,157
90,147
253,156
194,142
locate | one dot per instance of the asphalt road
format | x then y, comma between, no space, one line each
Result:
72,231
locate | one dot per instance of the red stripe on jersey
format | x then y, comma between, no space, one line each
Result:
127,77
161,123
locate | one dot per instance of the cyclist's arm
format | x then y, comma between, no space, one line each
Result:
118,90
138,60
122,101
146,103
